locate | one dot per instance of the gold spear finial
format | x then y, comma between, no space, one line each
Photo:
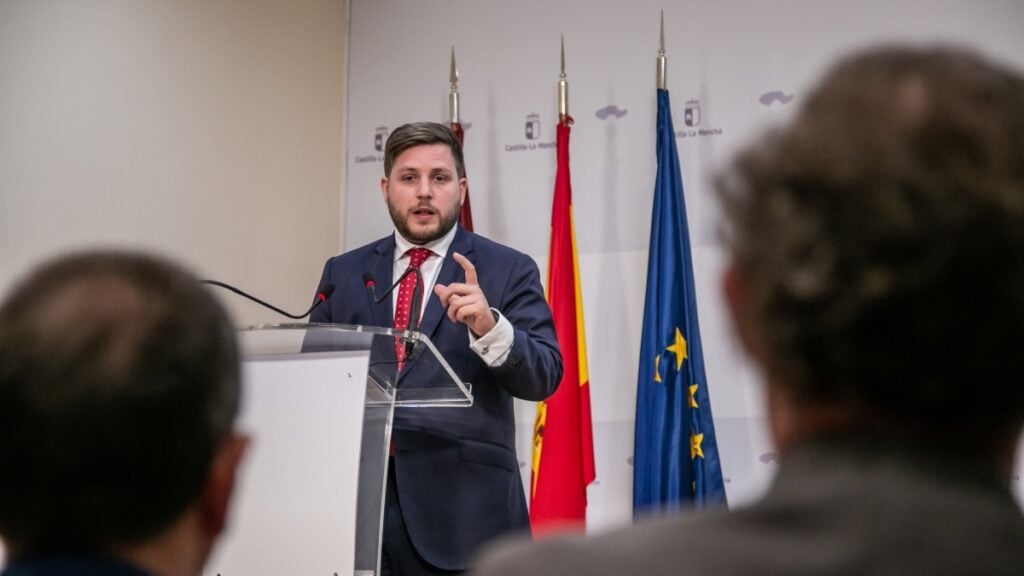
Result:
563,89
661,55
453,96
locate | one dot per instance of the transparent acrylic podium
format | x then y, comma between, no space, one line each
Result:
318,402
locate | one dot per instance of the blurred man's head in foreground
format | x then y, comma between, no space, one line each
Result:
878,249
119,388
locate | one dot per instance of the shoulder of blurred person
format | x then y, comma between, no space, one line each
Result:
835,509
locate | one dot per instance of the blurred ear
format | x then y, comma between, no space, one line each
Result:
221,483
736,292
384,188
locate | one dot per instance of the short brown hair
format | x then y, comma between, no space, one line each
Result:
421,134
119,381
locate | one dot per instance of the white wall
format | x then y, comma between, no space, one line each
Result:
723,55
207,130
210,131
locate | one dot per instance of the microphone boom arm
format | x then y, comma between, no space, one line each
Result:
321,296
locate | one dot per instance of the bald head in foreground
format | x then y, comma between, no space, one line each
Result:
119,388
877,279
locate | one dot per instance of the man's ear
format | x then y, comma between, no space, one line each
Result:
782,422
221,483
736,292
463,187
384,188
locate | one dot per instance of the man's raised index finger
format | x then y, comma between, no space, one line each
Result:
467,266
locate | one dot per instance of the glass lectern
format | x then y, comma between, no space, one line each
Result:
318,401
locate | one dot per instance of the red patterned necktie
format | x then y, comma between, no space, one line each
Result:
417,256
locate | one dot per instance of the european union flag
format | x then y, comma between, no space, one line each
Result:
675,455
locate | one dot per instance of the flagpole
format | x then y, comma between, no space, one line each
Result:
466,212
661,56
676,462
563,91
453,96
563,438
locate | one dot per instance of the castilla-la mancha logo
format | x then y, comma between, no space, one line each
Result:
531,129
532,126
691,116
380,136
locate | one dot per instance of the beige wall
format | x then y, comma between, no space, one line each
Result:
210,131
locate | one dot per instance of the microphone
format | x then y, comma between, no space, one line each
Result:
321,296
371,284
417,299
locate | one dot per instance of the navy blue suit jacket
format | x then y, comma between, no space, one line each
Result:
456,469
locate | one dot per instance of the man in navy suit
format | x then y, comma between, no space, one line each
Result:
454,476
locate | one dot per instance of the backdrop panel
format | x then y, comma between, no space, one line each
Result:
733,66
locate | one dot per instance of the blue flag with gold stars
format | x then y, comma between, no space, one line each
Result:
675,455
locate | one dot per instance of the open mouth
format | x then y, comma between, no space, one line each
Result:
423,212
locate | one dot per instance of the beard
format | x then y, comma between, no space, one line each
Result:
446,220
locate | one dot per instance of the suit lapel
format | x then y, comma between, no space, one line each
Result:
382,266
450,272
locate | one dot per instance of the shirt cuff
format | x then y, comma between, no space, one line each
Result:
494,347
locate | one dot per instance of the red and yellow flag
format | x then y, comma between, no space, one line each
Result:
563,443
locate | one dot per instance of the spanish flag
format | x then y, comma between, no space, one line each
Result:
563,445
